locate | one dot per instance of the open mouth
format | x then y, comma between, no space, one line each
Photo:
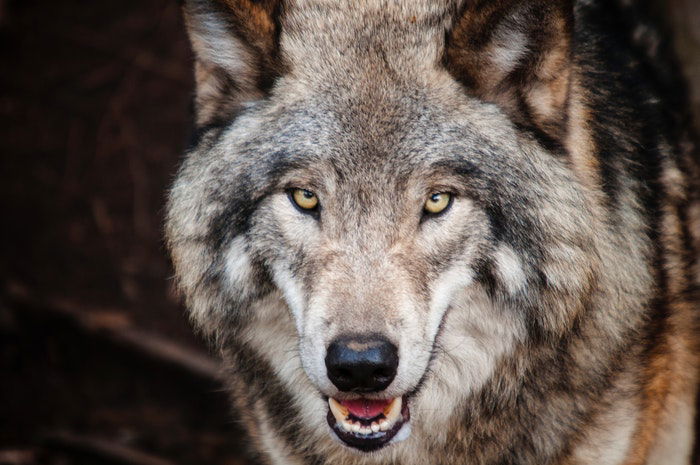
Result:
369,424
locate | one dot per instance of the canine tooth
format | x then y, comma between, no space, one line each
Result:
356,427
384,425
375,427
339,412
393,411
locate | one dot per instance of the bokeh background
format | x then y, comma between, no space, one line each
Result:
98,364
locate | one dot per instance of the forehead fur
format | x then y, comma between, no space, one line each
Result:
363,46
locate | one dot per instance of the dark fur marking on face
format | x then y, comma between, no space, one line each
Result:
242,202
507,209
257,373
511,224
485,275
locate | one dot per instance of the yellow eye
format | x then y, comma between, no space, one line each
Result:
306,200
437,202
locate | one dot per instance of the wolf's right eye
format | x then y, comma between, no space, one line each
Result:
304,199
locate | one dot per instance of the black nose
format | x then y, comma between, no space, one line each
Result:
362,364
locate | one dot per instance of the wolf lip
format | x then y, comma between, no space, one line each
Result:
367,424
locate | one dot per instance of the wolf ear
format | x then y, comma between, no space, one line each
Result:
237,55
516,53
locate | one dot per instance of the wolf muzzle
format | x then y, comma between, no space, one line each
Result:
362,364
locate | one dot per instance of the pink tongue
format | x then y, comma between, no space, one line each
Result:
365,408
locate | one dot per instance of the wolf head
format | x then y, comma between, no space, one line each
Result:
387,181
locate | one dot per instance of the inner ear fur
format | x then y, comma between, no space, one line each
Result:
236,47
517,54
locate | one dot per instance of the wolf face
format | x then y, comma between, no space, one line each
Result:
380,210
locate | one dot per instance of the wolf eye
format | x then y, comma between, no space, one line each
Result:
306,200
437,203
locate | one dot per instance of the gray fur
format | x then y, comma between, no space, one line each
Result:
524,315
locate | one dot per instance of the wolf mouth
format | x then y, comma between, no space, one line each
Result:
369,424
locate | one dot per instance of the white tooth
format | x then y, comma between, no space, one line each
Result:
384,425
393,411
356,427
347,426
339,412
375,427
365,430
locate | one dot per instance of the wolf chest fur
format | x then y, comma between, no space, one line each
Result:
443,232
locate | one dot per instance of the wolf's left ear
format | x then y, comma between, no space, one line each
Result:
516,53
237,54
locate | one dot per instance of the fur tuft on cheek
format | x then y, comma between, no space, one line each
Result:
238,268
510,269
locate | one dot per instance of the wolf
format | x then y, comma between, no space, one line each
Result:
443,231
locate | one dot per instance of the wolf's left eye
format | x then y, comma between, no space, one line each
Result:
437,203
304,199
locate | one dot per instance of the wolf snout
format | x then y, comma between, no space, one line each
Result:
362,364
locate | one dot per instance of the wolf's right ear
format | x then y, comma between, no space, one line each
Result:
237,53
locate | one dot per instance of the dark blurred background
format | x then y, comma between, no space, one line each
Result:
97,361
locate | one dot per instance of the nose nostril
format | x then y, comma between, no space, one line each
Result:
382,374
342,373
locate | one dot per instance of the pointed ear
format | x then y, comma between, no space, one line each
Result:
516,53
236,50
